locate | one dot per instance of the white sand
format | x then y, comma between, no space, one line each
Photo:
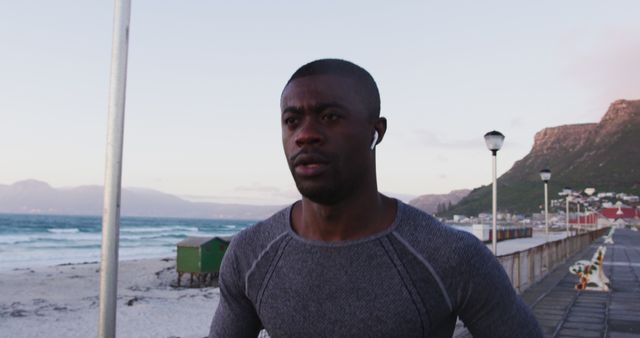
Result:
62,301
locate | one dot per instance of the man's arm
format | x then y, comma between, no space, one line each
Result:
235,315
486,301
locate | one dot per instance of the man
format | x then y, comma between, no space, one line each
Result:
347,261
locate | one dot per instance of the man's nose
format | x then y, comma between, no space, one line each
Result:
309,133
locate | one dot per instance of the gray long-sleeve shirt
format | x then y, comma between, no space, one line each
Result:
412,280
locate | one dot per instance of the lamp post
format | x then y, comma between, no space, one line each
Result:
589,192
113,172
579,229
494,140
619,212
545,175
567,192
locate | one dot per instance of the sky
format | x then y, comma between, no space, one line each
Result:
204,82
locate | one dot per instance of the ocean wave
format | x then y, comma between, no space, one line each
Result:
64,231
158,235
160,229
65,241
26,239
12,239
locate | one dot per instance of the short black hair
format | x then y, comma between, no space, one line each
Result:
367,85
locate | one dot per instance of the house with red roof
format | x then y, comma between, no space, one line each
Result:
619,214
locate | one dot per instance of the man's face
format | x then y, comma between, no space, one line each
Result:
326,134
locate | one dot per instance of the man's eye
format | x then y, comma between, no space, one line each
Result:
290,120
330,117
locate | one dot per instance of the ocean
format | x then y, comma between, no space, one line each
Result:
40,240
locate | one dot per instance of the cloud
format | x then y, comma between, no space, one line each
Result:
441,158
516,122
257,187
250,194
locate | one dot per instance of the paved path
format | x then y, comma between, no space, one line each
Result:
564,312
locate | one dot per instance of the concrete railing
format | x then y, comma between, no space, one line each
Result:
484,232
527,267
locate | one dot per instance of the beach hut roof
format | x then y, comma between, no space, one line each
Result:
194,241
198,241
226,239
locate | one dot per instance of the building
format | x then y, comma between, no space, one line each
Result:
619,214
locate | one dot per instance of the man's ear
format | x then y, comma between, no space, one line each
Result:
381,128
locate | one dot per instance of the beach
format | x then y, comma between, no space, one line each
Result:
62,301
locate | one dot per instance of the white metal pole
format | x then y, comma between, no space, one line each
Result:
546,212
567,215
579,223
495,209
113,171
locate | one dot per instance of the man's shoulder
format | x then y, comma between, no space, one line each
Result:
414,222
449,254
431,238
249,243
263,230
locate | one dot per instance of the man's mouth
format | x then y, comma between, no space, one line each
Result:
309,164
311,169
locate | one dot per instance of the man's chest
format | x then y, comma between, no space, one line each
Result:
338,293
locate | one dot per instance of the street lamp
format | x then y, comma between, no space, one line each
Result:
545,175
619,212
589,192
578,202
567,191
494,141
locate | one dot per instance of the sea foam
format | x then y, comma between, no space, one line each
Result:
37,240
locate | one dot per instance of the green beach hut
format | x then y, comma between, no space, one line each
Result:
200,257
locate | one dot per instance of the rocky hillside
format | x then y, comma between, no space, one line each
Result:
604,155
431,203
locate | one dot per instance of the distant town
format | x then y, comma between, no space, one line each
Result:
585,212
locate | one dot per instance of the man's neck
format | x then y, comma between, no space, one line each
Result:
350,219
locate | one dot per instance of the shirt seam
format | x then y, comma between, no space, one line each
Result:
429,267
255,262
270,273
415,299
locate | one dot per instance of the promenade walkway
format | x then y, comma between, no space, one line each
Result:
563,311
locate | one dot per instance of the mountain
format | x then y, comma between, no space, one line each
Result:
430,203
604,155
32,196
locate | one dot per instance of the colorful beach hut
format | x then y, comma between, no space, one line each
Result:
200,257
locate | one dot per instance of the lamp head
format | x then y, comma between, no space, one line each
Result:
494,140
545,175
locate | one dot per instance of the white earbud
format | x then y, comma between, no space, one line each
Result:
375,140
